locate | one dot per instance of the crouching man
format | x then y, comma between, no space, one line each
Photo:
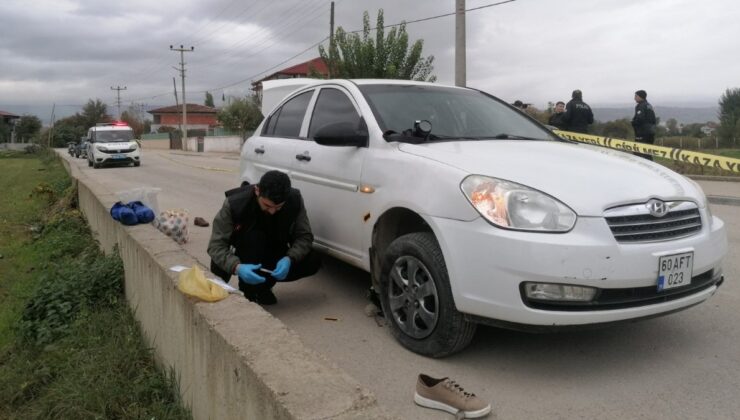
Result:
262,235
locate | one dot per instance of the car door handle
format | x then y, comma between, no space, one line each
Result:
259,150
304,157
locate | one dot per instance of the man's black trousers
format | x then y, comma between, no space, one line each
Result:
308,266
648,139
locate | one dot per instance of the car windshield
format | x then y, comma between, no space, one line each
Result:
455,114
114,136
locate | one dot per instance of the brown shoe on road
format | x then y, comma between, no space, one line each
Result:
445,394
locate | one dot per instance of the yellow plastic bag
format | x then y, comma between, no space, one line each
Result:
193,283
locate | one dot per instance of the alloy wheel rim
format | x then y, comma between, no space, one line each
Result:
413,298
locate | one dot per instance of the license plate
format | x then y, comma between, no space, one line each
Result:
675,270
119,157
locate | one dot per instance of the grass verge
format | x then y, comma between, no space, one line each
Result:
69,345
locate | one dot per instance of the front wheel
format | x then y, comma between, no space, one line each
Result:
137,163
417,299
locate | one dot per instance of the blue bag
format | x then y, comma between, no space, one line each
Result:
143,213
123,214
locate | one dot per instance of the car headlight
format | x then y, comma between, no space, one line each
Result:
510,205
134,146
101,148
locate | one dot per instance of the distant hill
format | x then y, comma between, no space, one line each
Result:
684,115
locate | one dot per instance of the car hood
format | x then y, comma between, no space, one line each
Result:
588,179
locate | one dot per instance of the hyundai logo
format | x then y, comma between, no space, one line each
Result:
657,207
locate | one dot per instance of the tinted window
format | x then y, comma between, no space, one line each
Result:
270,126
114,136
455,114
290,116
332,107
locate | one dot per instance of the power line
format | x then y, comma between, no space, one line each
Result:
263,71
436,17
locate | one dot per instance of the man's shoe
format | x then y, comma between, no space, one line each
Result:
266,297
445,394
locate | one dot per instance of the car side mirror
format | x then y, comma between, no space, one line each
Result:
343,134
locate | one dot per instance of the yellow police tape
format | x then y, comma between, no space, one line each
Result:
681,155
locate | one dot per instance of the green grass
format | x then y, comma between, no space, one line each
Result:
69,346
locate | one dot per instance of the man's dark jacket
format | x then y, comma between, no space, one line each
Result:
578,116
556,120
290,228
644,120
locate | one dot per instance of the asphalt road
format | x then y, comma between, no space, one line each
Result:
683,366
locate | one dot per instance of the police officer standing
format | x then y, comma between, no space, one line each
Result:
578,114
644,121
262,235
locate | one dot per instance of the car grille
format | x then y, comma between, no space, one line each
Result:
635,223
114,151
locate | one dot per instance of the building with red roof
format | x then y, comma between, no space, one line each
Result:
299,70
199,117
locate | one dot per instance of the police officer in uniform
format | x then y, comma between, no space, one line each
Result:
578,114
263,228
644,121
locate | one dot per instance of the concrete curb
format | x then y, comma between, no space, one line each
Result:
233,359
724,200
714,178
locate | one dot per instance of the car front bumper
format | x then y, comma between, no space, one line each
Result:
110,158
487,267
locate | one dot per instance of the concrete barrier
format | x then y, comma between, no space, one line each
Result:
157,144
233,359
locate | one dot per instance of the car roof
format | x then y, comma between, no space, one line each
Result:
274,91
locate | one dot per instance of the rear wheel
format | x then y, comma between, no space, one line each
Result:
417,299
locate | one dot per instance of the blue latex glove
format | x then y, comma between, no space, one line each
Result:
246,273
281,269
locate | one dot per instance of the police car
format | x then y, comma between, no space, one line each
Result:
112,144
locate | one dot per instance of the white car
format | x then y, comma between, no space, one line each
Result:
466,211
112,144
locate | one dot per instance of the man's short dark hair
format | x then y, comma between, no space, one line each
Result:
641,93
275,186
559,103
577,94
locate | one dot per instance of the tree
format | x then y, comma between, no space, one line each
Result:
95,112
27,127
209,100
672,126
5,130
386,57
620,129
241,115
729,116
65,131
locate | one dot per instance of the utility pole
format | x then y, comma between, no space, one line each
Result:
51,125
331,40
460,71
182,51
177,104
118,90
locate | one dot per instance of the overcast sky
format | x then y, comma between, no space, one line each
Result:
66,51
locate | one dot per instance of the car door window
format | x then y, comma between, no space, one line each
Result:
286,121
332,107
